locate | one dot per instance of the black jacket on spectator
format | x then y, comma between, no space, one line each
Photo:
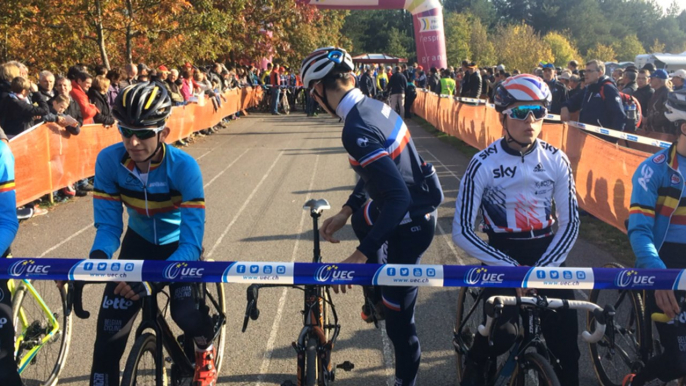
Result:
5,91
655,115
630,88
596,110
434,83
574,91
126,82
19,113
472,85
367,85
104,115
398,83
643,94
46,95
560,95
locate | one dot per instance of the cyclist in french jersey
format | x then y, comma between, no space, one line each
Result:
161,187
514,182
396,224
8,230
657,231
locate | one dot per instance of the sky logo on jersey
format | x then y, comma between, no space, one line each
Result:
631,278
480,276
182,271
28,268
331,273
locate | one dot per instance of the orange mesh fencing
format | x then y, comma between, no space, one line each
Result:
48,158
602,170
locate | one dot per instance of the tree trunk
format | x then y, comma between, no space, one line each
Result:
129,32
101,35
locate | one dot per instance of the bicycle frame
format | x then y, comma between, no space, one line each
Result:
313,316
23,323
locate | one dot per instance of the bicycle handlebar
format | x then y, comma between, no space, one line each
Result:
498,302
75,299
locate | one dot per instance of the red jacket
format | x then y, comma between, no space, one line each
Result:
88,110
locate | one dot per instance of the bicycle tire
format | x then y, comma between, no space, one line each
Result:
540,365
43,367
219,293
133,375
465,300
610,368
311,361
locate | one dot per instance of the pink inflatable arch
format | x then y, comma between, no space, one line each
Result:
428,24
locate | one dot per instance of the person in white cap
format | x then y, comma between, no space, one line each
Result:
678,78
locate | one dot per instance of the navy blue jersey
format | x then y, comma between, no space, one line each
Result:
392,173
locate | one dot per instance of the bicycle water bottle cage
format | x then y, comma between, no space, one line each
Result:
317,206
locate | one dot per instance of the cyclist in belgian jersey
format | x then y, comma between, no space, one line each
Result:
162,190
514,182
396,224
8,230
657,231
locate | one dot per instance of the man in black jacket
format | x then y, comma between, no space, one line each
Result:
434,81
367,85
472,81
63,87
557,89
46,85
644,92
397,84
19,108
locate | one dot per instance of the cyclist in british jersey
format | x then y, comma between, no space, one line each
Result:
657,231
396,224
8,230
162,190
514,182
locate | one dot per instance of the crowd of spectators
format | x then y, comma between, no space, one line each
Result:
85,96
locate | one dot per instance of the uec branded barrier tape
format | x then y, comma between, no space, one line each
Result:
357,274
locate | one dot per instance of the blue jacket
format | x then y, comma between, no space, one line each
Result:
8,199
596,110
657,189
169,208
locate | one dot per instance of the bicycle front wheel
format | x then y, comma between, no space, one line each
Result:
611,364
142,362
311,362
215,299
463,339
534,370
43,331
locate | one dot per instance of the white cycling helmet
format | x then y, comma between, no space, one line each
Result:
324,61
676,106
521,88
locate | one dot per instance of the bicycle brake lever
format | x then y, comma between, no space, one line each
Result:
251,310
77,300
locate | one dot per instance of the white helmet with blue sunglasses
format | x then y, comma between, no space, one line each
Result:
525,88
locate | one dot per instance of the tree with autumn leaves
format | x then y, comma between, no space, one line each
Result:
55,34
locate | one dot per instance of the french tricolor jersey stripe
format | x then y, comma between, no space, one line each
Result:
399,139
373,156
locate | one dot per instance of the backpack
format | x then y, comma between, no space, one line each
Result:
632,108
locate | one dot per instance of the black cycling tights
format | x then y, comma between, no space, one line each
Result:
117,314
8,367
406,245
671,364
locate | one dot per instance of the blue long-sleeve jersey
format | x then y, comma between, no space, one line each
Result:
392,173
168,207
8,199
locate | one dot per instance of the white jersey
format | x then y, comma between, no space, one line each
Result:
515,193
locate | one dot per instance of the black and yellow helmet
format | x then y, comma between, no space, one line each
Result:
145,104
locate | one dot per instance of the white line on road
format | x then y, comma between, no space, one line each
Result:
66,240
266,359
226,168
442,164
245,205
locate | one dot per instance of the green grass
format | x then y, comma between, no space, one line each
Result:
604,236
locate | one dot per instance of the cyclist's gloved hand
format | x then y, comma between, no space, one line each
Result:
135,290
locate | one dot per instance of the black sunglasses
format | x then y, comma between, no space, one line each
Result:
139,133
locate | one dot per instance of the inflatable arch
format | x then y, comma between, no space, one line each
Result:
428,24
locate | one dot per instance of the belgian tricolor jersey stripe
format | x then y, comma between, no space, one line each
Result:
196,203
6,186
102,195
642,209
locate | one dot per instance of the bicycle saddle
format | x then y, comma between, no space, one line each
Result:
317,206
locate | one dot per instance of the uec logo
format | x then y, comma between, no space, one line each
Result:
481,275
28,267
174,270
628,278
326,272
